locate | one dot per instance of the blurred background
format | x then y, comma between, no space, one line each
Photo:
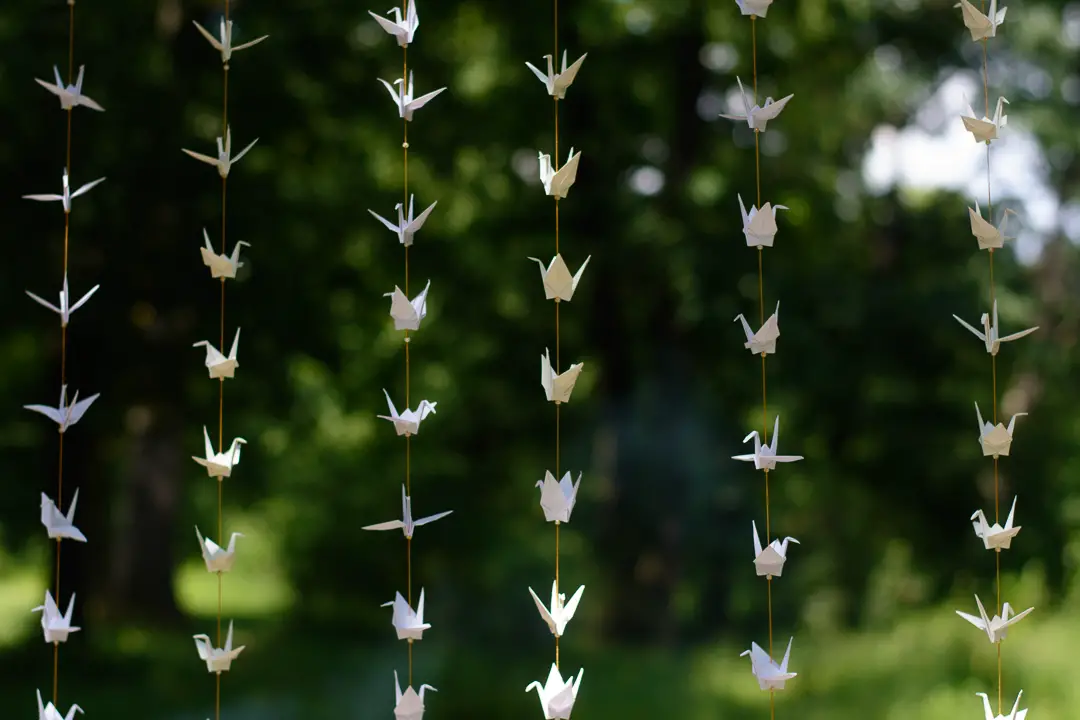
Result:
874,380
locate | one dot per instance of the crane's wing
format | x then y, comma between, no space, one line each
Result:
206,34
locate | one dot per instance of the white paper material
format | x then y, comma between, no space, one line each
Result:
981,26
49,712
65,415
991,335
219,365
557,696
995,537
557,499
406,313
67,195
408,623
65,309
988,236
409,705
996,439
996,626
408,422
770,561
759,225
557,183
405,228
70,95
217,558
985,129
765,457
224,160
57,627
218,660
557,83
219,465
558,283
754,7
407,525
403,97
58,525
560,611
758,116
223,43
763,342
557,388
1016,714
402,29
770,676
221,266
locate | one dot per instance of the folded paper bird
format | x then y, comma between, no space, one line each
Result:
409,705
70,95
557,83
49,712
556,695
986,129
770,676
403,97
221,266
220,464
406,524
763,342
1016,713
65,415
758,116
557,183
58,525
558,283
406,313
405,228
57,627
759,225
408,623
988,236
996,626
224,160
765,457
218,660
770,561
218,365
981,26
217,559
223,43
560,611
990,335
67,196
408,422
557,388
65,309
995,537
401,28
557,499
997,439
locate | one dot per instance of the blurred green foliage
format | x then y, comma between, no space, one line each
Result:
873,378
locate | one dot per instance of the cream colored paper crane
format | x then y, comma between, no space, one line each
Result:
986,129
559,285
65,309
409,705
406,524
217,558
764,456
405,228
560,612
557,183
758,116
217,364
67,195
58,525
408,623
221,266
403,97
981,26
990,335
995,537
557,83
56,627
65,415
1016,713
557,388
401,28
988,236
70,95
556,695
996,626
759,226
763,342
224,160
754,7
770,561
996,439
406,313
220,464
557,499
223,43
218,660
770,676
49,711
408,422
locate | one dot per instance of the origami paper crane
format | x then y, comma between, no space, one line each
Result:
220,464
557,498
981,26
988,236
557,388
221,266
218,365
401,28
70,95
996,439
408,623
218,660
408,422
997,626
67,195
560,612
990,335
770,561
65,309
405,229
1016,713
765,457
406,313
556,696
49,712
58,525
758,116
224,160
217,559
65,415
770,675
986,129
558,283
223,43
403,97
407,525
557,183
57,627
995,537
763,342
409,705
557,83
759,226
754,7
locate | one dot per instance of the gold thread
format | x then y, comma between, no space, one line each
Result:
558,342
408,368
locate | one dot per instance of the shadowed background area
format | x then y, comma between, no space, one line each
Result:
874,380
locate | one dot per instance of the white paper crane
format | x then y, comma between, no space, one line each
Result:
990,335
981,26
65,415
996,626
67,195
409,705
49,712
218,660
223,43
996,439
759,226
220,464
770,676
221,266
754,7
57,627
217,364
763,342
65,309
70,95
403,97
557,388
557,183
58,525
765,457
995,537
556,695
988,236
560,611
986,129
224,160
407,525
406,313
557,499
557,83
558,283
408,623
408,422
217,558
770,561
405,228
1016,713
758,116
401,28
